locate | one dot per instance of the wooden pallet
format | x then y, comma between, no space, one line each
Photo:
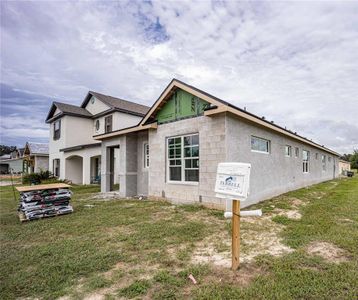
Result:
22,217
42,187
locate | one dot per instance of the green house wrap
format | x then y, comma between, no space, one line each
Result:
180,106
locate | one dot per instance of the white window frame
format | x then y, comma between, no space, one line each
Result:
289,152
182,158
57,122
268,142
297,152
306,163
146,155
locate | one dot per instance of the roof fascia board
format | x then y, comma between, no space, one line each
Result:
111,110
62,114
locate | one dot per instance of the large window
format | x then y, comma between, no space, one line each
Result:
260,144
56,167
146,155
183,158
57,130
324,162
288,150
108,123
306,161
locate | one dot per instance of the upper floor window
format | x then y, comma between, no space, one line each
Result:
146,155
260,144
183,158
329,159
288,150
297,152
316,155
108,123
57,129
97,125
305,160
324,162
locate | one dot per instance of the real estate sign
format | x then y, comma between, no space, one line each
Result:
233,180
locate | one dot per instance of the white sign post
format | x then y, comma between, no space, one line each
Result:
232,183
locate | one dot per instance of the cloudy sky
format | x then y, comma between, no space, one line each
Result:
294,63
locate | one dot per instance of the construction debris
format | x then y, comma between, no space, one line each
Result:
45,202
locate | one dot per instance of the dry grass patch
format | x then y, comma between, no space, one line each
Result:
328,252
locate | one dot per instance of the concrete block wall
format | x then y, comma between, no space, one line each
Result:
274,173
212,151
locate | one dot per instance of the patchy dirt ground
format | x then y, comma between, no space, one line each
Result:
328,252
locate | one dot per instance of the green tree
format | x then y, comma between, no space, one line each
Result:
4,149
354,159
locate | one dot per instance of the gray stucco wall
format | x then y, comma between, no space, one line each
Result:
133,177
142,172
274,173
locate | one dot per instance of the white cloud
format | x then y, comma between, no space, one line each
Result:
295,63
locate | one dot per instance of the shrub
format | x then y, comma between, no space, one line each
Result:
36,178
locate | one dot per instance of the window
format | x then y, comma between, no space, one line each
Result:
93,99
97,125
56,167
146,155
306,160
260,145
329,159
297,152
108,123
288,150
324,162
183,158
57,130
316,155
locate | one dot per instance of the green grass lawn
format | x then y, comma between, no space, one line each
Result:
134,249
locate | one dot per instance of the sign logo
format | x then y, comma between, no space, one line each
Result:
232,180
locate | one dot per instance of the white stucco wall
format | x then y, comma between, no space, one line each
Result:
97,107
74,131
120,120
85,155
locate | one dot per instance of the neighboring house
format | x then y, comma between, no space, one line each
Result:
35,156
74,154
344,166
12,162
32,158
174,150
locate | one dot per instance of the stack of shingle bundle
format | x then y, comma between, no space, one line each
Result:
46,201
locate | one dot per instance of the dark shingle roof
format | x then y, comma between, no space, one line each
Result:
119,103
73,109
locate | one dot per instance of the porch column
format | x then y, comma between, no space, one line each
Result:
86,175
105,169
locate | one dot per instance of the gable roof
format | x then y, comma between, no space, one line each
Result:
217,106
117,104
66,109
36,148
